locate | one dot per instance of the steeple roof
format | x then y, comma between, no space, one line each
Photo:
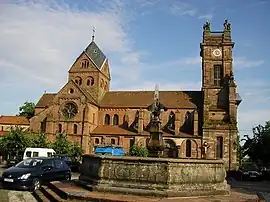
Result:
95,54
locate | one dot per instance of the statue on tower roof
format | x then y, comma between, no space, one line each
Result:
227,26
206,26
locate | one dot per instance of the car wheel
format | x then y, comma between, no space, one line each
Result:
35,185
68,177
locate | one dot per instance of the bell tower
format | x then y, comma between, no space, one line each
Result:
220,100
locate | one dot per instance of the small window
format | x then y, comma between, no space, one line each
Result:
90,81
188,148
75,129
60,128
35,154
71,91
112,141
85,64
131,142
58,164
219,152
218,75
107,119
115,119
28,154
96,141
78,80
2,128
49,154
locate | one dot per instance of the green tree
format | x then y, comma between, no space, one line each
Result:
27,110
258,147
63,146
139,151
40,141
15,142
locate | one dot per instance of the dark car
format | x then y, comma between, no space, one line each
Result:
251,171
65,158
32,172
13,160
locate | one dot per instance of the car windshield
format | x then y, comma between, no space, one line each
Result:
29,163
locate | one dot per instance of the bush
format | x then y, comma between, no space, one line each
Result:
139,151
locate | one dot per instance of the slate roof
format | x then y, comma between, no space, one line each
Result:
14,120
95,54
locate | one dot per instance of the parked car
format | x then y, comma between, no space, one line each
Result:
38,152
250,171
13,160
65,158
32,172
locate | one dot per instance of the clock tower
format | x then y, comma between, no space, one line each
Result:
220,100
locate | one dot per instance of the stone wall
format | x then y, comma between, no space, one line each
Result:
174,177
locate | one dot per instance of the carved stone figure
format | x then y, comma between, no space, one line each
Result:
227,26
206,26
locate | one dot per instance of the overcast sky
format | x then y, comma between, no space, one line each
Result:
147,42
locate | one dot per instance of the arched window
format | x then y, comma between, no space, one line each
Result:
172,121
112,141
115,119
2,128
85,64
75,128
43,125
60,128
78,80
219,152
96,141
188,148
90,81
107,119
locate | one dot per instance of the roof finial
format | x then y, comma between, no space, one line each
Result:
93,36
156,93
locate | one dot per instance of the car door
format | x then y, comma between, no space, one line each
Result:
48,170
61,169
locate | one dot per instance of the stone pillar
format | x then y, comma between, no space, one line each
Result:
195,122
177,122
140,122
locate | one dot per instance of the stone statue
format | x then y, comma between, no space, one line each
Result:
227,26
206,26
156,143
204,150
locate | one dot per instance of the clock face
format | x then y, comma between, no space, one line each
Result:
217,52
69,110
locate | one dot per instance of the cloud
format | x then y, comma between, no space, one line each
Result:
207,17
183,9
242,63
41,39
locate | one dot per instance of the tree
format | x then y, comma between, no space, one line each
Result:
258,147
139,151
27,110
40,141
63,146
15,142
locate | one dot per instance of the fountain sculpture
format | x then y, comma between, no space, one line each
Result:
153,175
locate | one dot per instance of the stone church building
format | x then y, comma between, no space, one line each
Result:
90,113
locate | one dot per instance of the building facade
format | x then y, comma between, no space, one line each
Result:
88,112
8,123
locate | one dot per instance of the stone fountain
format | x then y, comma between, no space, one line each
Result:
154,176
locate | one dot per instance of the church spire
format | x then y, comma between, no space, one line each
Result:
93,35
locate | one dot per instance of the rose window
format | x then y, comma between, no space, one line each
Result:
69,110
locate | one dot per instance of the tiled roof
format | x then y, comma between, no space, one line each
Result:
45,99
142,99
14,120
118,130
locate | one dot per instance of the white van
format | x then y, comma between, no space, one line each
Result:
38,152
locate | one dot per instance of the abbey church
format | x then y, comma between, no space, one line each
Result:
90,113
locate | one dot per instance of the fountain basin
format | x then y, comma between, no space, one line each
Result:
154,176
